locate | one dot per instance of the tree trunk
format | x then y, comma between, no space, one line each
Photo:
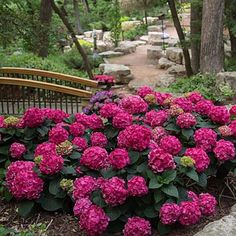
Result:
146,16
73,36
212,46
45,22
233,44
196,16
77,17
181,37
86,5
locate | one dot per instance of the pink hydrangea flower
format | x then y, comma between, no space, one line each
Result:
114,191
171,144
158,133
137,226
22,181
17,150
133,104
184,103
204,107
33,117
192,196
81,205
98,139
83,187
137,186
108,79
232,111
95,158
144,90
194,97
58,135
119,158
169,213
109,110
219,114
175,110
207,204
202,161
95,122
160,161
94,221
50,165
224,150
122,120
205,138
1,121
162,97
81,143
190,213
136,137
156,118
45,149
77,129
232,127
82,119
186,121
56,116
153,145
225,131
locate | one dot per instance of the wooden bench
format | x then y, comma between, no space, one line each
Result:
21,88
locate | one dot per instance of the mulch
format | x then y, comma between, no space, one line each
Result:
59,224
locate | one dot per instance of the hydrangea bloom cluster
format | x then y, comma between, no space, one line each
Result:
98,139
33,117
175,110
203,107
109,110
194,97
119,158
200,157
114,191
137,226
22,181
95,158
207,204
144,91
184,103
225,131
81,205
169,213
17,150
232,111
133,104
83,187
55,115
171,144
11,121
205,138
219,114
45,149
106,79
186,121
122,120
156,118
77,129
224,150
58,135
136,137
137,186
158,133
80,143
160,161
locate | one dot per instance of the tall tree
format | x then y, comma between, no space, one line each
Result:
195,26
212,46
44,31
77,17
181,36
74,38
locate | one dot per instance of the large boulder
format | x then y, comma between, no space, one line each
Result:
99,34
156,28
107,37
144,38
226,80
121,73
165,81
109,54
88,34
154,53
177,70
172,42
103,47
175,55
128,25
164,63
126,47
156,38
152,20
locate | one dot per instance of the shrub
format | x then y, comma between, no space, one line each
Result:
137,175
133,34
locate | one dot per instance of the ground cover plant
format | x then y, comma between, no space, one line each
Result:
129,164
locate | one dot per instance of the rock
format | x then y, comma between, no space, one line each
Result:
227,80
144,38
165,81
226,226
138,42
88,34
164,63
175,55
126,47
128,25
109,54
152,20
172,42
107,37
103,47
121,73
177,70
154,53
155,38
99,34
156,28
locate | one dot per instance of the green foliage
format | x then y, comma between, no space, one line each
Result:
133,34
230,64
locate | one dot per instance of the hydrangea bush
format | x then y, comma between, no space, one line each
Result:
124,166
